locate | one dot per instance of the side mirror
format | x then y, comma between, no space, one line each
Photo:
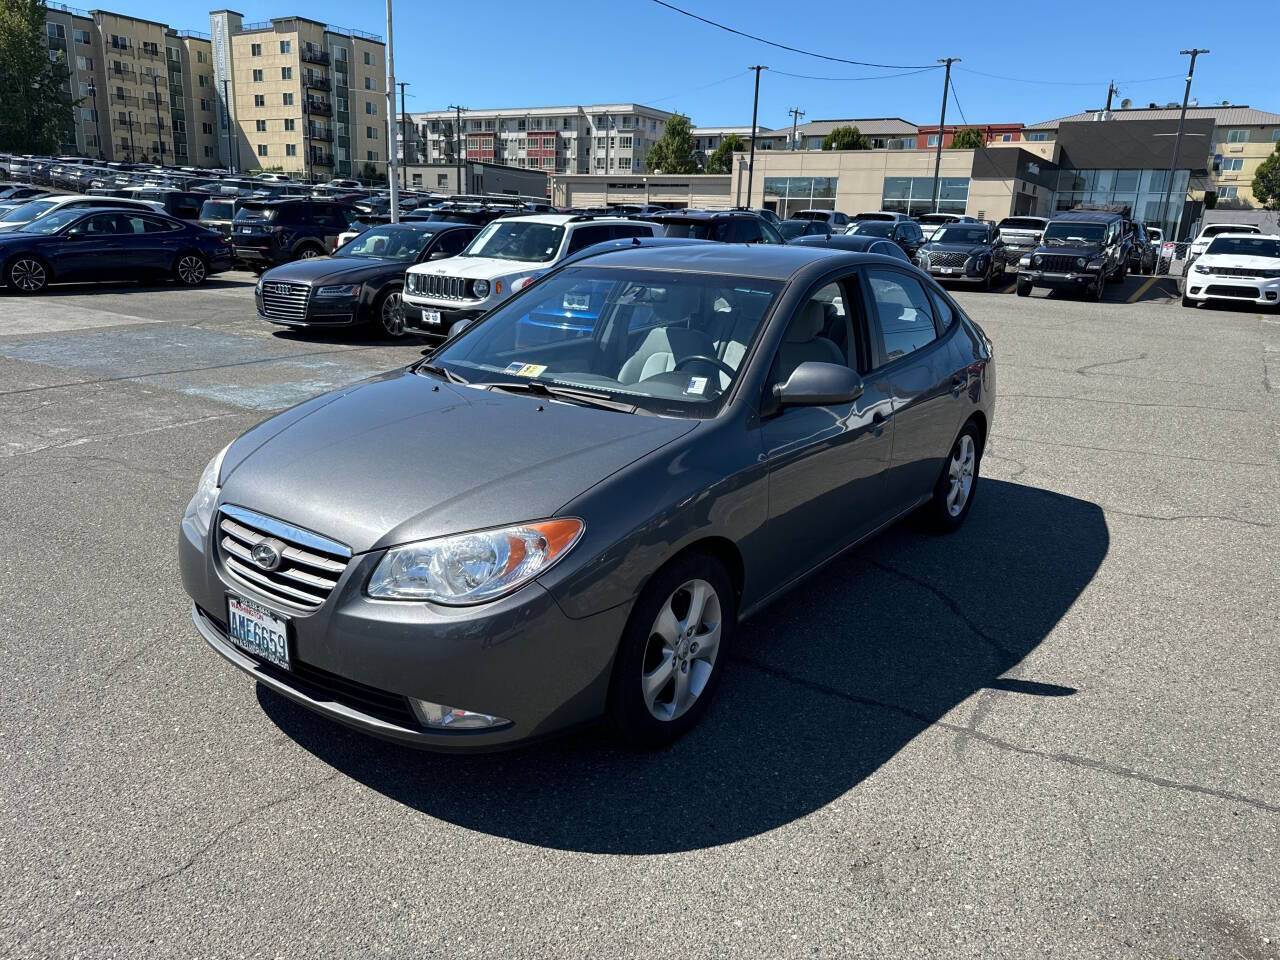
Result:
818,384
438,254
457,329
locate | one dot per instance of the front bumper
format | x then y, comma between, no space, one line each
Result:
965,274
1203,287
269,256
520,657
416,322
1057,281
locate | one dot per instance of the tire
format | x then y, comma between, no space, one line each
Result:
1119,275
1095,292
1024,288
957,483
26,274
190,269
309,251
389,301
664,679
1188,302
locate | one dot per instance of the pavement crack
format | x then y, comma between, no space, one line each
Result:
1187,516
1122,403
1022,467
1140,453
1084,371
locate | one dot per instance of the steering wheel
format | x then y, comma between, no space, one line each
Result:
724,368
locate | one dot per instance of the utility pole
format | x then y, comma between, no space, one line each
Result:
404,142
796,114
132,155
226,114
392,182
155,92
942,126
306,145
1111,92
755,111
1177,143
457,142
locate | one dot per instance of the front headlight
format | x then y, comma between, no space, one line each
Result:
202,504
1037,260
480,289
1269,274
473,567
1024,262
1081,263
1200,268
923,260
340,290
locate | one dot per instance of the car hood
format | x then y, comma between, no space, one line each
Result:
405,457
482,268
970,249
1071,249
1240,261
332,269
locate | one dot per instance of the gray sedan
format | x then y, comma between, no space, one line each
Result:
562,514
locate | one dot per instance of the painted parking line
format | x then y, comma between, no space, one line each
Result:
1138,294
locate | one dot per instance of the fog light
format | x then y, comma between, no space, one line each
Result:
1195,289
437,716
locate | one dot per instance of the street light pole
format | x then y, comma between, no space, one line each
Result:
457,142
755,111
404,140
392,182
942,127
155,93
1177,142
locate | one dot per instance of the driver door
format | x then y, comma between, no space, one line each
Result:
90,249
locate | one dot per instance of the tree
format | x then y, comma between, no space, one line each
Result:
35,112
673,153
1266,182
968,139
845,138
721,161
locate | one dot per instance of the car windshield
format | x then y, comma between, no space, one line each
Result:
687,229
790,229
216,210
1071,231
250,212
872,228
517,240
1217,228
386,243
663,342
808,215
28,211
957,234
52,223
1246,247
1021,223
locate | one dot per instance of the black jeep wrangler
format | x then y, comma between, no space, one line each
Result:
266,233
1081,251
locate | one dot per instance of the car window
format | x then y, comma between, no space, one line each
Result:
587,236
622,231
453,241
903,319
155,225
819,331
101,224
943,310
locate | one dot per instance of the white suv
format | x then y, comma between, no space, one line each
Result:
503,255
1209,231
1240,267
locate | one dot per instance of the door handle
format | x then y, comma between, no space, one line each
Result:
958,382
878,421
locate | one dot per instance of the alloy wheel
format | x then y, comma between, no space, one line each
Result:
960,474
309,253
28,275
393,314
681,651
191,270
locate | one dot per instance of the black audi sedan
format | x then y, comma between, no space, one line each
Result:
361,282
971,252
510,538
93,243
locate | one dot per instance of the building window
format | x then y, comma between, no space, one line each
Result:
567,124
204,105
520,125
1275,135
286,73
84,63
82,36
1038,137
442,179
290,149
262,149
371,156
204,80
368,83
288,99
1237,136
1006,138
259,100
1228,193
371,108
206,129
368,59
289,123
1233,163
286,46
208,151
933,139
257,76
56,31
371,133
624,143
260,125
255,49
147,47
199,56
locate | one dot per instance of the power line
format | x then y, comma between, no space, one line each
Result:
880,76
1064,83
783,46
705,86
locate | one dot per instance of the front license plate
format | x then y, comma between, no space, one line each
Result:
946,270
432,317
256,629
246,229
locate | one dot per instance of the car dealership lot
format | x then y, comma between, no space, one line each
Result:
1052,733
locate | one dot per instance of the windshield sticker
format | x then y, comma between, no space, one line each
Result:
519,369
696,385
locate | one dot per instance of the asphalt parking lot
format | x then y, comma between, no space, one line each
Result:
1052,734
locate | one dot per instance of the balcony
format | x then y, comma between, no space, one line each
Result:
314,55
149,52
128,98
318,108
320,135
152,128
319,159
316,82
123,73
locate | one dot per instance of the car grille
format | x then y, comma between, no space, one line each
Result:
948,259
1057,263
285,301
446,288
1234,272
310,565
1230,290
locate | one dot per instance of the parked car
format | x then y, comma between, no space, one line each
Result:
1143,254
90,243
905,233
930,222
886,215
725,226
181,204
1021,235
969,252
859,243
1201,243
362,282
501,543
770,215
218,214
267,233
44,206
1237,267
790,229
505,252
1081,252
13,192
833,218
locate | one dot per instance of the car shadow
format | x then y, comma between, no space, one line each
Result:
821,690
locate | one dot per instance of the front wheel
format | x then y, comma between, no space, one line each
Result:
27,275
1024,288
191,270
310,252
1188,302
671,652
958,483
391,313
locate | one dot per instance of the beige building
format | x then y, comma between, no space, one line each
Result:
703,190
193,106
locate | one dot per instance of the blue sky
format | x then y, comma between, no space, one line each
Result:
491,53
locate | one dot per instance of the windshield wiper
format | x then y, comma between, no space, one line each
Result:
571,394
439,371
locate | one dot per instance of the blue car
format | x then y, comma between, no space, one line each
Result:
103,244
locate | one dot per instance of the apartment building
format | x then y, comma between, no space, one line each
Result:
192,104
707,139
885,133
301,96
594,138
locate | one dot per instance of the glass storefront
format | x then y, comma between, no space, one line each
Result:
914,195
1140,190
786,195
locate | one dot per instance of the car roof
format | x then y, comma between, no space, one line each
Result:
561,219
1253,236
762,261
1231,228
676,215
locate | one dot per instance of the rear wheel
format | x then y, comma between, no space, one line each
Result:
957,485
309,252
390,311
27,275
190,270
